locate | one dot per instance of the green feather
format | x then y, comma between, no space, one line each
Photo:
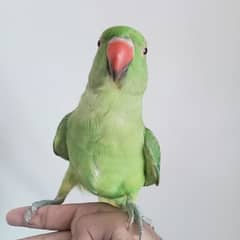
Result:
104,137
135,81
59,142
151,151
110,152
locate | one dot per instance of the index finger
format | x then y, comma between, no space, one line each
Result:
55,217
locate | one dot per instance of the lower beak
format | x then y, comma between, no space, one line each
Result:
117,74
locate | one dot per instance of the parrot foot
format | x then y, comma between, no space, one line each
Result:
134,215
31,211
148,221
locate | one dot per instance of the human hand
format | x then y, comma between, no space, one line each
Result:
87,221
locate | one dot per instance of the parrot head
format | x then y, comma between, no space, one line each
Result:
120,62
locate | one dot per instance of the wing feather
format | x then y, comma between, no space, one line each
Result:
151,151
59,142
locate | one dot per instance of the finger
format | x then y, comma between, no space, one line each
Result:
66,235
49,217
101,225
110,225
55,217
83,236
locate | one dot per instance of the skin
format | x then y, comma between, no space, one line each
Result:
86,221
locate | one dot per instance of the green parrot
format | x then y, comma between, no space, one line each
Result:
110,152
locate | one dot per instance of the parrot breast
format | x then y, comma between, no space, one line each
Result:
105,141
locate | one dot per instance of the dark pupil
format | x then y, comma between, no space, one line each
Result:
145,51
98,43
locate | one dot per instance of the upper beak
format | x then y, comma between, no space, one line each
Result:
119,55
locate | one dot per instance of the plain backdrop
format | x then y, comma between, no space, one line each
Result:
191,104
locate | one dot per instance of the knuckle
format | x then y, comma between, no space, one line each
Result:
43,218
79,223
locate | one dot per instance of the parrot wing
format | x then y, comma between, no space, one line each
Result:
151,152
59,142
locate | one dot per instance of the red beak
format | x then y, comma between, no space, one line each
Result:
119,54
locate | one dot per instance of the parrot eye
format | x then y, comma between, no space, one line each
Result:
145,50
98,43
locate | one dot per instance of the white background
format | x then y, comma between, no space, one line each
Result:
192,104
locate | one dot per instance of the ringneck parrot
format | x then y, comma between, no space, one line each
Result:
110,151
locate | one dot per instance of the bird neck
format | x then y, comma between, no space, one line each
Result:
112,99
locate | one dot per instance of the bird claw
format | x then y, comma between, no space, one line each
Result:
130,222
36,205
148,221
134,216
29,213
